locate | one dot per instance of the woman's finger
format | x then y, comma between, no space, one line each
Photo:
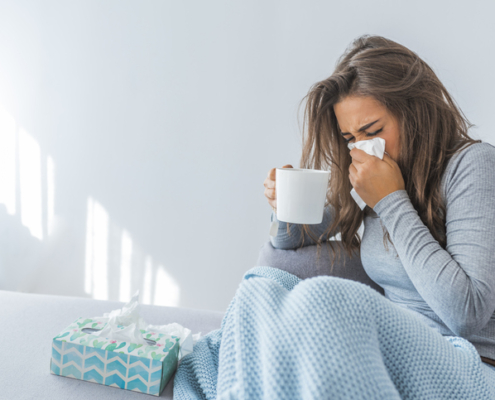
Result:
270,193
352,172
272,174
269,183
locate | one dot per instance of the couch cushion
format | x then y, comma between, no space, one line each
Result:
303,263
29,323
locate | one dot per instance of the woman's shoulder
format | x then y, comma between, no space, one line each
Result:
472,164
474,148
477,153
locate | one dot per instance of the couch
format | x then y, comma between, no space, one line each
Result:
303,263
30,321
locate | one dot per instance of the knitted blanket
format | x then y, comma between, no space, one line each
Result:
326,338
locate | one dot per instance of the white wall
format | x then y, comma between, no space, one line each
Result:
136,135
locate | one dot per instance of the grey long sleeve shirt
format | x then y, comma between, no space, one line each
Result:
452,290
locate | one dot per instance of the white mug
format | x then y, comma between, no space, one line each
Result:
301,195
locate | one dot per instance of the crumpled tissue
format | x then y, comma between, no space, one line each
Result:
125,324
374,147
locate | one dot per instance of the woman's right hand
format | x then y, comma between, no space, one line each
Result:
270,192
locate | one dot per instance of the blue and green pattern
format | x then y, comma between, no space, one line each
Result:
130,366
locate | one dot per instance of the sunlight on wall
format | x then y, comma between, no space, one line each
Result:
50,194
21,163
156,285
27,193
7,161
30,183
125,267
166,289
147,280
88,271
96,271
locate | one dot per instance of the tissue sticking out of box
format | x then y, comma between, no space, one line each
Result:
374,147
126,324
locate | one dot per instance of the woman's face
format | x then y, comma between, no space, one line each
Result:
359,116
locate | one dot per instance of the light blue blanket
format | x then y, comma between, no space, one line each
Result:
326,338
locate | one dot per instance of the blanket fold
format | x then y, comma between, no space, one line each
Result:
326,337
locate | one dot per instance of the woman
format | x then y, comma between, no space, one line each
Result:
431,196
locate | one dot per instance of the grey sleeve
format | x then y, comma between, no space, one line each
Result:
287,242
458,283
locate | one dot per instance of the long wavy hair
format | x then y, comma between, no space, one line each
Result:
432,128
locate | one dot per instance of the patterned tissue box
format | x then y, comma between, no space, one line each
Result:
76,353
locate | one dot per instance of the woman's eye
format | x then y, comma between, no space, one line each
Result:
368,135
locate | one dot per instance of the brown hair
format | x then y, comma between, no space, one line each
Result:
432,128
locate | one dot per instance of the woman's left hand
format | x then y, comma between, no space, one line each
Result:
372,178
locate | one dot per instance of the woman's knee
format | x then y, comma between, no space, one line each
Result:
349,293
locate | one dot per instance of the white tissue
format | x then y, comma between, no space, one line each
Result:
128,317
374,147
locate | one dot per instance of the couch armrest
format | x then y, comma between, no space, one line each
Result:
302,262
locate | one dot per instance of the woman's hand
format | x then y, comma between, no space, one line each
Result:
372,178
270,192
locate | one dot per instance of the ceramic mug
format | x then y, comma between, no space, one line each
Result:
301,195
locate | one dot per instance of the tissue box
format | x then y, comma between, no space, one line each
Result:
76,353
